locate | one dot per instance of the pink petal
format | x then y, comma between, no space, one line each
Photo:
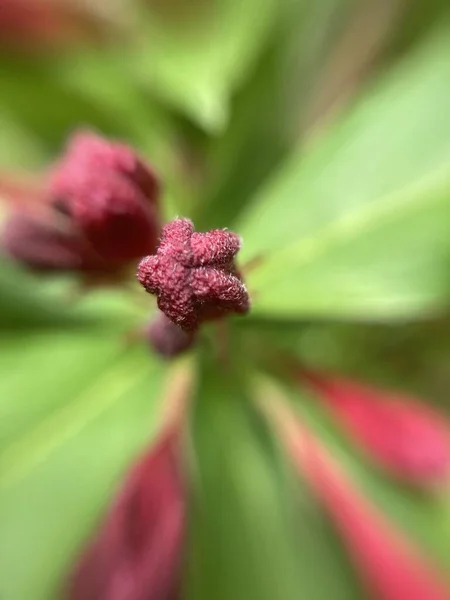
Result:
402,434
389,565
137,553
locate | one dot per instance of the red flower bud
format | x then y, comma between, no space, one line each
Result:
193,275
137,554
87,151
41,246
402,434
110,195
37,24
167,339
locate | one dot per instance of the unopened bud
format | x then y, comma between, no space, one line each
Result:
193,275
41,246
110,195
168,339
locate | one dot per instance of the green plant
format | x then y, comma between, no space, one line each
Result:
261,455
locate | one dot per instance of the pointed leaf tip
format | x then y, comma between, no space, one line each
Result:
400,433
137,553
390,566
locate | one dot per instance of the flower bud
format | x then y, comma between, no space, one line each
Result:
40,245
166,338
193,275
110,195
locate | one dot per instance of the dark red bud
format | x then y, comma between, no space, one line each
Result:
110,195
137,554
41,246
166,338
193,275
89,151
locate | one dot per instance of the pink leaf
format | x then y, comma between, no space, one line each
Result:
137,553
388,563
402,434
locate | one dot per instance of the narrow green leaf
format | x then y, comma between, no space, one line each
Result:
74,411
249,538
36,301
266,112
196,63
358,225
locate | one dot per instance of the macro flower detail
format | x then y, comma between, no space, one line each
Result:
215,217
42,246
97,210
194,276
110,195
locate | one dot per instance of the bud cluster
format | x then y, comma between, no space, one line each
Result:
193,275
100,211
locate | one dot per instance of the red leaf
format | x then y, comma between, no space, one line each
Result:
402,434
388,563
137,554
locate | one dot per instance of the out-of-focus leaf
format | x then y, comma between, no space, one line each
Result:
19,148
424,518
54,110
247,538
196,63
104,78
358,226
75,409
29,300
267,111
23,302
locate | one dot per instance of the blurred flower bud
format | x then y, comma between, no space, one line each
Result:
87,150
138,552
402,434
38,24
40,245
166,338
193,275
110,195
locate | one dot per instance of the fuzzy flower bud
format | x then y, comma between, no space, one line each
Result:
111,196
39,245
167,339
193,275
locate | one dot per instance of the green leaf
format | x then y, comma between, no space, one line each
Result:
24,302
75,409
249,537
19,148
36,301
197,62
266,112
359,224
54,111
